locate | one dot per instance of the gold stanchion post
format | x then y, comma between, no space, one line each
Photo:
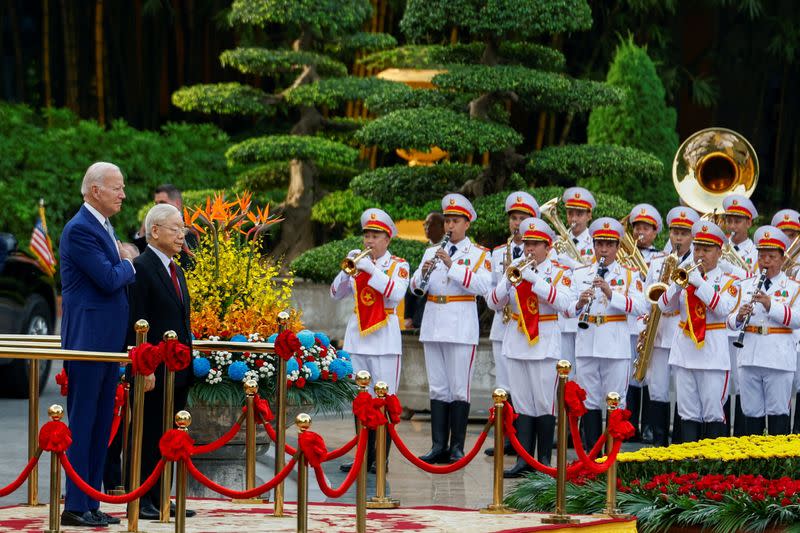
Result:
56,412
250,391
183,420
303,423
612,402
563,367
169,408
280,406
33,430
142,327
362,380
499,397
380,501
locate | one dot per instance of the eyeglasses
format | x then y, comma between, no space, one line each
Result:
182,229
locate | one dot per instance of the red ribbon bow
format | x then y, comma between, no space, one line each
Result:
176,444
366,412
63,381
55,436
287,344
509,417
145,358
261,410
393,408
176,355
574,396
618,426
313,447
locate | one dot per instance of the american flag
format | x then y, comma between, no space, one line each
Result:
40,246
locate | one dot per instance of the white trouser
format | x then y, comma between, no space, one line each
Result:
657,377
568,348
796,383
765,391
501,366
733,385
701,393
534,383
384,368
450,368
598,376
634,355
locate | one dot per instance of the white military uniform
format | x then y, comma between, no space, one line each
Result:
532,366
449,331
498,330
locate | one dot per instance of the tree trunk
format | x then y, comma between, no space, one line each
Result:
99,47
297,230
70,56
16,39
48,82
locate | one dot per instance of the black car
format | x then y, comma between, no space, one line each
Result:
27,306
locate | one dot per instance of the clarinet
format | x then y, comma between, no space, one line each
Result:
739,342
583,322
422,288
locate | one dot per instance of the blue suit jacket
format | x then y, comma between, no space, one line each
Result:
94,287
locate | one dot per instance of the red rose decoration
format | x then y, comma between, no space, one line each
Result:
55,436
145,358
618,426
63,382
574,396
176,444
287,344
313,447
176,355
300,383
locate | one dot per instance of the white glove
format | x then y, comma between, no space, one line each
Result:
352,253
530,275
365,264
695,278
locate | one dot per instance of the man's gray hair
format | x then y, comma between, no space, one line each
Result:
96,175
157,216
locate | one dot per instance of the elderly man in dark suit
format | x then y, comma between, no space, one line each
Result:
160,296
95,273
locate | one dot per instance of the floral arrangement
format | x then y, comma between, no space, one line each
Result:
236,296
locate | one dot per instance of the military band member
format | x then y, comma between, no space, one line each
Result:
606,295
699,353
532,340
680,220
646,223
519,206
767,360
373,331
449,332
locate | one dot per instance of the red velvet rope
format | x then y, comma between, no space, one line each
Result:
14,485
220,442
119,404
351,476
574,396
289,450
587,461
437,469
509,416
335,454
244,494
108,498
263,413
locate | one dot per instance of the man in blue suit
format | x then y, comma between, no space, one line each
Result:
95,274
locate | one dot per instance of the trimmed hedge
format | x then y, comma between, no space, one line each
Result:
416,185
321,264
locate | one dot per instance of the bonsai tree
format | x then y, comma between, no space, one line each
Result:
309,79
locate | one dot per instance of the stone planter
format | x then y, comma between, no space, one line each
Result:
225,466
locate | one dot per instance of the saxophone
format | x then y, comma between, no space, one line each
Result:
507,307
647,338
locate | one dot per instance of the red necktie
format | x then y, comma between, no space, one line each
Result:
173,272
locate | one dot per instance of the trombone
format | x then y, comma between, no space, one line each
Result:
514,272
349,263
681,275
564,244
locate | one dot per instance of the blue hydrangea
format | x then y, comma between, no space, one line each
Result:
237,370
343,355
291,365
306,338
341,367
272,337
314,369
238,338
323,339
201,367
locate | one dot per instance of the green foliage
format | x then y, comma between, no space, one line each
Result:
536,88
324,18
41,162
342,209
276,175
401,96
419,129
495,18
321,264
642,120
224,98
287,147
365,42
333,92
415,185
262,61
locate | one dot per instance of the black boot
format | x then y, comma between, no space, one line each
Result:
545,434
440,432
796,413
754,425
677,434
526,435
633,403
726,409
647,416
591,427
659,422
691,430
459,416
778,424
715,430
738,427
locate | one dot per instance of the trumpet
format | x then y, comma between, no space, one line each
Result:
739,342
422,288
514,272
583,322
349,263
681,275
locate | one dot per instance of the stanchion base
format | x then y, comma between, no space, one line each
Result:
560,519
33,505
119,491
382,503
498,509
615,514
249,500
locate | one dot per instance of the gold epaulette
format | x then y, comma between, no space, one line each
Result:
399,259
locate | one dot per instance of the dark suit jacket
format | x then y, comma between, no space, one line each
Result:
185,260
153,298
